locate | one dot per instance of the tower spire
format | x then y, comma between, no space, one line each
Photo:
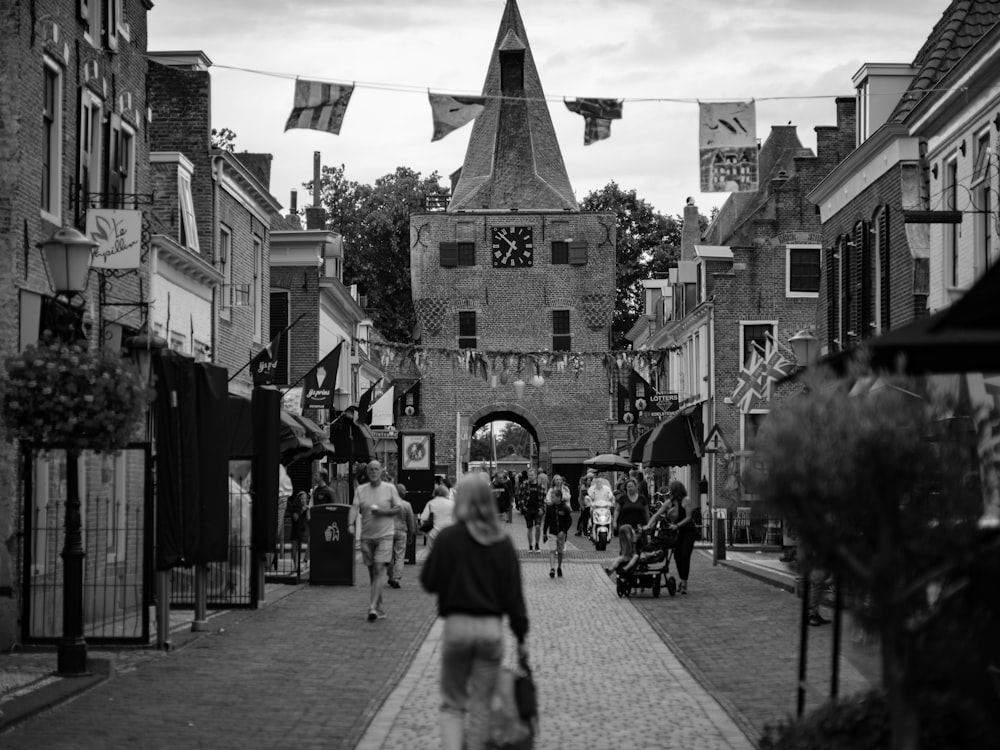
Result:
513,160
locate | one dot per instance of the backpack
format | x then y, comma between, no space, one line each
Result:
533,499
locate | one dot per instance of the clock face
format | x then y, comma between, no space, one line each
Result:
513,247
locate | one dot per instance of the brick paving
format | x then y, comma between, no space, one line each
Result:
605,678
706,670
740,638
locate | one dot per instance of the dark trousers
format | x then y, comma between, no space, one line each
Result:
583,520
683,549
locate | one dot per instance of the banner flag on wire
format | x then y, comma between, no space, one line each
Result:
727,147
319,106
265,362
597,116
365,404
452,112
320,383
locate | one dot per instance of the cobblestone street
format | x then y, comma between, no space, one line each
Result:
705,670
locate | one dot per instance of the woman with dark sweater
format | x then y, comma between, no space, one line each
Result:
680,518
474,571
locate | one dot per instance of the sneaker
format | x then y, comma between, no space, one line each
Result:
817,619
552,573
394,584
372,616
559,572
381,614
609,571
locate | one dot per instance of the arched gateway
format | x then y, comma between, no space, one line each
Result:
512,282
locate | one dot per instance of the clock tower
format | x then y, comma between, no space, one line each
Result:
512,266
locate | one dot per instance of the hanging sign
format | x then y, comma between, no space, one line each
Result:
118,235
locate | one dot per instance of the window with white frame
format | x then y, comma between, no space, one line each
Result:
257,290
696,365
188,226
802,265
950,194
226,267
754,336
90,144
52,123
985,240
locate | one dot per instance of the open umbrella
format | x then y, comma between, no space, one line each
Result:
609,462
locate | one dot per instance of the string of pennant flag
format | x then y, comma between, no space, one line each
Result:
727,132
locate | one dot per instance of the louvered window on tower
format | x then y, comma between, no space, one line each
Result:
512,72
467,330
466,253
449,254
560,253
562,341
578,253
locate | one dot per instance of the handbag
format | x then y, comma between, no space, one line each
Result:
426,526
513,711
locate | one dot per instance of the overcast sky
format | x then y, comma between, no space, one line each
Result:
707,50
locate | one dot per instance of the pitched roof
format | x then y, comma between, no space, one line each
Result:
963,24
513,159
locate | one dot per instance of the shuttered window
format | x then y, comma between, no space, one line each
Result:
560,253
466,253
449,254
578,253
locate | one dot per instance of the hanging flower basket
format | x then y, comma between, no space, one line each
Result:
58,395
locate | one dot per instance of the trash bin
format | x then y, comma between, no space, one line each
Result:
331,546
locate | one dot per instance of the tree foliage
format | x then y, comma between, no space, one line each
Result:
510,438
374,221
878,475
647,242
224,138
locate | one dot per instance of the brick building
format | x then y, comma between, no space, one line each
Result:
73,136
901,175
513,266
218,229
754,274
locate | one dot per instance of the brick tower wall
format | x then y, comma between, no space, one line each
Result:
514,314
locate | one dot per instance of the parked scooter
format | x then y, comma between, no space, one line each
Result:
602,503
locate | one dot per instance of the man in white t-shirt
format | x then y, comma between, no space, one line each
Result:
378,503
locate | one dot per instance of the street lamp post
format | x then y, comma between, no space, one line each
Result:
67,260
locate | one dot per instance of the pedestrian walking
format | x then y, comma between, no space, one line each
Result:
298,509
680,518
377,503
558,520
440,511
532,502
474,571
633,513
406,529
818,579
583,522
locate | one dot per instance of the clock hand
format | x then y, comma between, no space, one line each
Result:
513,245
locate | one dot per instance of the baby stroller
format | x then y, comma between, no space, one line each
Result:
652,571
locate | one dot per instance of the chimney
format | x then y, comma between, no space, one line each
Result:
316,216
690,231
293,210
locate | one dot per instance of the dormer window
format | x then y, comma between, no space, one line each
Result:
512,73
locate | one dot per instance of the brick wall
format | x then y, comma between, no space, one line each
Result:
302,285
31,32
514,314
181,101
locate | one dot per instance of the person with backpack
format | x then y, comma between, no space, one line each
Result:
531,501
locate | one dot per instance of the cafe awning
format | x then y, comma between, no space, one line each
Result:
351,441
675,441
292,438
317,436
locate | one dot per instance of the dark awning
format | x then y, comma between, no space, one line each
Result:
635,455
351,441
293,440
317,436
675,441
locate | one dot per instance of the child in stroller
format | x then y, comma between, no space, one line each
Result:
650,564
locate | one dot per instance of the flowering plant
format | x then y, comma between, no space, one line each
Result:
60,395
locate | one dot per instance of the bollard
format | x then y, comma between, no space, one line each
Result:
720,538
